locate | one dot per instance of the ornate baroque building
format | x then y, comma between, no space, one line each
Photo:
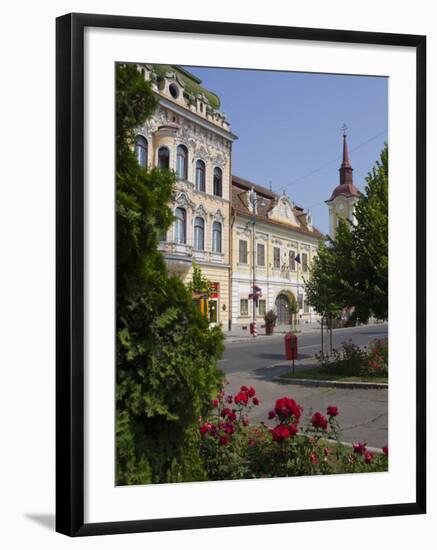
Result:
188,134
214,221
285,244
345,195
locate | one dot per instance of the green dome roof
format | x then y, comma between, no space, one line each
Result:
191,82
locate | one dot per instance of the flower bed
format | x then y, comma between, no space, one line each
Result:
353,361
233,448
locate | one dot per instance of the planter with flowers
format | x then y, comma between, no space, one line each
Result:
270,320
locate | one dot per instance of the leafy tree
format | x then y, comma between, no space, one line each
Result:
371,244
199,283
352,269
166,354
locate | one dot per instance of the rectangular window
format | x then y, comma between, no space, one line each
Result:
260,254
242,248
292,260
276,257
261,307
304,262
244,306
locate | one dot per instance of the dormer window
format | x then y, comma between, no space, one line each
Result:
174,91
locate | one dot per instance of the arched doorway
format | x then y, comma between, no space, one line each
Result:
283,312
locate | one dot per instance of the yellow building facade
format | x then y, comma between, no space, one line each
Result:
189,135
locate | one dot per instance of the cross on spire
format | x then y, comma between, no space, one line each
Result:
346,168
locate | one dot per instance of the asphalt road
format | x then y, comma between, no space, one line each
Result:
251,354
363,412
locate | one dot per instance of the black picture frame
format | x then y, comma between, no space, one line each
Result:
70,273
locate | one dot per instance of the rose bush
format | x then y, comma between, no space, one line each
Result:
352,360
233,448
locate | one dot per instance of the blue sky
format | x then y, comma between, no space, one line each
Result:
289,128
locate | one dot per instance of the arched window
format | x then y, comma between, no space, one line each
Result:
218,185
164,158
216,237
182,162
200,175
181,226
141,151
199,233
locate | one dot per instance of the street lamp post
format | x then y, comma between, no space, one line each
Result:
254,201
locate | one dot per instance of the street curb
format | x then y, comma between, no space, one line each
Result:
331,383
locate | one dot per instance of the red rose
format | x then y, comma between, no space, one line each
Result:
280,432
245,421
286,407
225,412
368,457
241,397
244,389
326,451
313,458
319,421
251,442
229,399
332,411
205,428
215,402
224,440
250,392
228,428
292,430
272,414
385,450
232,416
359,448
255,401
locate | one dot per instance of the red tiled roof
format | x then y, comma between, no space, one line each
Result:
240,187
346,190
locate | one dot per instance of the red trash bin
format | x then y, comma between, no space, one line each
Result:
291,346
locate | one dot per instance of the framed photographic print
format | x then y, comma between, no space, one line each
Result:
240,274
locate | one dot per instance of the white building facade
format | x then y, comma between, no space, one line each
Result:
285,245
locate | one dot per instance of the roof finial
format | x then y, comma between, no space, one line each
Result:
346,168
346,162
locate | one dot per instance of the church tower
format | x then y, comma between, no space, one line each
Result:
345,195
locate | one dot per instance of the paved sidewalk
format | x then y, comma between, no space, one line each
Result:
238,333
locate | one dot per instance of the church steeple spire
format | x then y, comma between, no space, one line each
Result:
345,168
343,198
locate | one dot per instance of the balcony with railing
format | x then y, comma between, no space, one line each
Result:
178,256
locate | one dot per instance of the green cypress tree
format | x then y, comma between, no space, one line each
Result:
166,354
